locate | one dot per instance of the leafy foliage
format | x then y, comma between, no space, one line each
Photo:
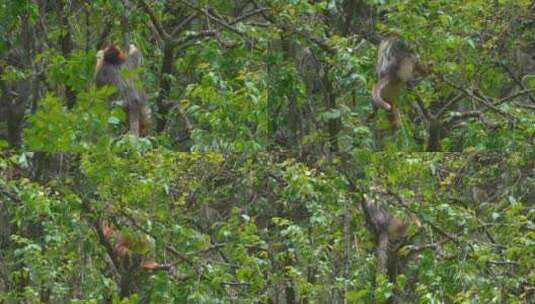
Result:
256,182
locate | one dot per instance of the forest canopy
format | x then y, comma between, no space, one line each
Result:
267,151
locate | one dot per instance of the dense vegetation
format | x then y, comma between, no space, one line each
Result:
259,180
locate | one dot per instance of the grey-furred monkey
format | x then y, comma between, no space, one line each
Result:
110,63
396,66
388,230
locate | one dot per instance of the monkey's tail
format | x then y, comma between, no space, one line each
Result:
376,94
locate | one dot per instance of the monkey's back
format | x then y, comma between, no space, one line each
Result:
394,59
126,90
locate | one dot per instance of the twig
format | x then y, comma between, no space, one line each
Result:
513,96
515,78
206,13
480,98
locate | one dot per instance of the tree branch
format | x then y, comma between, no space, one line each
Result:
155,21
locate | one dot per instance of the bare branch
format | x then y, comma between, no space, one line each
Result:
182,25
427,114
456,117
449,104
515,78
513,96
477,96
210,16
249,15
155,21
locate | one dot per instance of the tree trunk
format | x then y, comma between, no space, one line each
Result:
435,135
165,86
66,44
17,107
294,117
333,123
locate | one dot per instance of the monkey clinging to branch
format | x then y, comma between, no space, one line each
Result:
126,250
390,232
396,66
110,63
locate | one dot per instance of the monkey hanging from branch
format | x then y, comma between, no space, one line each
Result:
397,65
388,230
111,61
130,254
129,250
391,234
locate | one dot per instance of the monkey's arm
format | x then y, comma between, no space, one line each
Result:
134,57
376,94
100,61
